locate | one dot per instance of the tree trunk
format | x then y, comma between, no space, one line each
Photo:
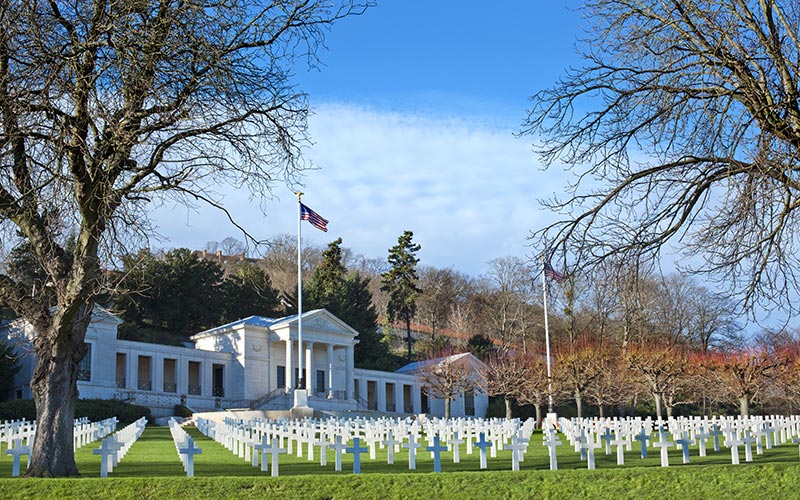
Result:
509,414
55,390
408,336
446,408
669,411
600,409
744,405
657,399
538,409
579,402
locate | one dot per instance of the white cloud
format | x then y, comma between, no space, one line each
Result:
468,191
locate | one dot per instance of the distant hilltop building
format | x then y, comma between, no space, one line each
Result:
227,262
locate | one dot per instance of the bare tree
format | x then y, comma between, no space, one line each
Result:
442,290
684,129
742,376
659,365
577,366
534,389
232,246
445,376
505,375
108,109
280,261
506,295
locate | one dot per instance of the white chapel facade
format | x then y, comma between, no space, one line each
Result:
250,363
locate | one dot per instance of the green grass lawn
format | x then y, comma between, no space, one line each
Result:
152,470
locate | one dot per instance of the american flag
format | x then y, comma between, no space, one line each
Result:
553,274
314,218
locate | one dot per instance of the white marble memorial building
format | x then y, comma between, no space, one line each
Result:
250,363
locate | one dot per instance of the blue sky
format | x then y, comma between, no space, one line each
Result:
414,110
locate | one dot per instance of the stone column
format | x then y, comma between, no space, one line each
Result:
329,358
207,378
289,368
348,372
310,375
399,389
380,388
158,372
130,371
416,398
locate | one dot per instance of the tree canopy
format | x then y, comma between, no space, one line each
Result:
400,281
683,128
347,295
110,108
177,294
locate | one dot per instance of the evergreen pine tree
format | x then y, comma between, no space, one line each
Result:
347,296
401,282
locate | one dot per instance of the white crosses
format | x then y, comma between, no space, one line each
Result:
455,442
589,445
372,442
586,434
759,433
715,434
606,436
748,449
768,429
517,446
390,443
436,449
323,450
734,442
107,451
187,453
114,447
551,442
619,441
702,437
663,444
684,442
338,447
482,444
275,450
261,448
18,451
412,446
356,450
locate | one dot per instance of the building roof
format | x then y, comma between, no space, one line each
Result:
419,365
259,321
263,322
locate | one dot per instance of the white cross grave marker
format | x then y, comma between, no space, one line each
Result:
664,445
338,447
274,451
412,446
17,451
551,442
189,451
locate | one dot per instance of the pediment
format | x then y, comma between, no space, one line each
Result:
323,321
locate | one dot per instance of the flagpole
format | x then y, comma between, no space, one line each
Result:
547,339
300,379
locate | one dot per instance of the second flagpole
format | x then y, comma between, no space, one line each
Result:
300,354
